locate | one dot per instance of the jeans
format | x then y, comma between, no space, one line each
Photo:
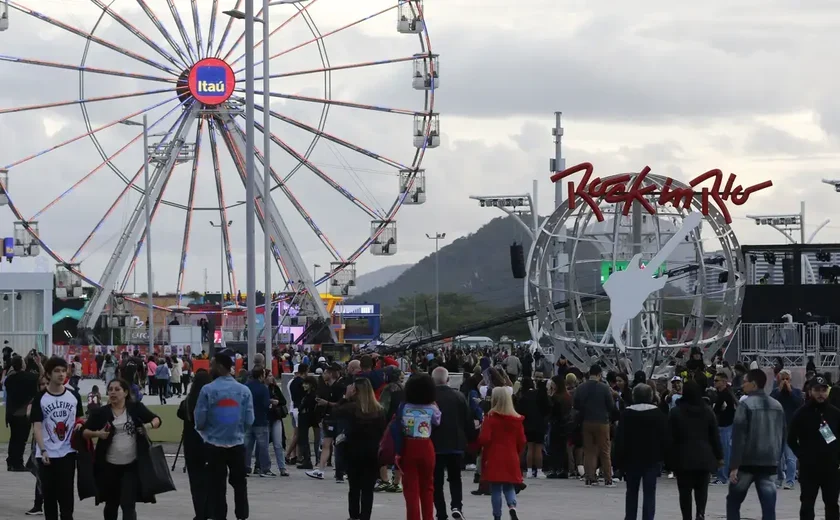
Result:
811,482
696,482
726,444
58,486
787,462
646,477
738,492
257,435
278,440
450,464
220,461
496,491
122,491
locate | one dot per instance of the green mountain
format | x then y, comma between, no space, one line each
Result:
477,265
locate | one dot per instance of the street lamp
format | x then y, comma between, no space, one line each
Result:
437,238
148,204
315,268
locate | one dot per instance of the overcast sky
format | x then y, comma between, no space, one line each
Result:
747,88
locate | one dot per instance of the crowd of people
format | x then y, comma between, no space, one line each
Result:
396,424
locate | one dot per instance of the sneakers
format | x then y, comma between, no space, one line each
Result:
305,466
719,482
788,485
456,514
35,511
339,479
394,488
590,482
268,474
316,474
513,515
609,484
470,467
284,473
381,486
539,474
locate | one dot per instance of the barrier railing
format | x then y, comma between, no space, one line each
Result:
793,343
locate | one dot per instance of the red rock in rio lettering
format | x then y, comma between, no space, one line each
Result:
614,190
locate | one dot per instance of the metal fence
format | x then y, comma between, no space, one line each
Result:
794,343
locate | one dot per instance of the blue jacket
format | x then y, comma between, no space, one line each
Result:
790,401
224,410
261,400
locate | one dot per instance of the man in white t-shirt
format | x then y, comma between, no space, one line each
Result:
54,413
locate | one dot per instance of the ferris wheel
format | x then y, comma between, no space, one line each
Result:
96,68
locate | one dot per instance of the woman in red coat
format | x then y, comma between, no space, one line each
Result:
502,440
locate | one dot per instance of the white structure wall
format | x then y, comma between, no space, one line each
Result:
26,311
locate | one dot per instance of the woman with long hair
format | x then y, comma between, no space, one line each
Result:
364,421
532,403
696,450
194,453
502,439
415,452
120,429
277,412
558,424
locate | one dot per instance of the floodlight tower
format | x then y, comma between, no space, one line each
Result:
4,15
519,206
787,225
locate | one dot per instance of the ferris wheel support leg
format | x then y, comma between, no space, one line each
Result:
131,234
298,272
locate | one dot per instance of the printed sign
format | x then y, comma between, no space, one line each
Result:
211,81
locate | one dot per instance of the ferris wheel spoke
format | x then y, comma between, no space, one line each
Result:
92,70
296,203
239,162
336,140
101,165
214,13
289,20
82,136
334,68
79,101
91,37
322,36
142,241
320,174
220,194
190,210
179,22
122,194
162,29
347,104
227,30
136,32
199,42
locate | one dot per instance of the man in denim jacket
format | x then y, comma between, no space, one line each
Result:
223,412
758,432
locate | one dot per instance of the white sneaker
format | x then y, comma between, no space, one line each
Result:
671,475
470,467
540,474
316,474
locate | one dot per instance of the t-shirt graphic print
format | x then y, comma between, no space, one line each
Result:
57,415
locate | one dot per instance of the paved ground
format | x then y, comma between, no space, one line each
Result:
302,498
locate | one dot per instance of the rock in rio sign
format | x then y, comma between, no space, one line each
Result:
211,81
615,190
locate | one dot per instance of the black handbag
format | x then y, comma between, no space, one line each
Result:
153,471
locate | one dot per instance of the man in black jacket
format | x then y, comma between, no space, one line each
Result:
21,387
724,407
450,440
812,438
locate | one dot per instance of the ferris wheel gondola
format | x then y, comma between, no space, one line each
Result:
182,67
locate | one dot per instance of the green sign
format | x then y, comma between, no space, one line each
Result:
607,269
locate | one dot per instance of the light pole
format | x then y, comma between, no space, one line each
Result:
437,237
315,268
148,204
222,227
250,188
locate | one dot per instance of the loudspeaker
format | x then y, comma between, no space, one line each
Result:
517,261
787,270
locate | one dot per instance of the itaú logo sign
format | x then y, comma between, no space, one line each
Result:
211,81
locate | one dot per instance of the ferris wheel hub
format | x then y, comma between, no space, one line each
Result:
210,81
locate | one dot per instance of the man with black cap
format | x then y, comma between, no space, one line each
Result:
813,439
223,411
